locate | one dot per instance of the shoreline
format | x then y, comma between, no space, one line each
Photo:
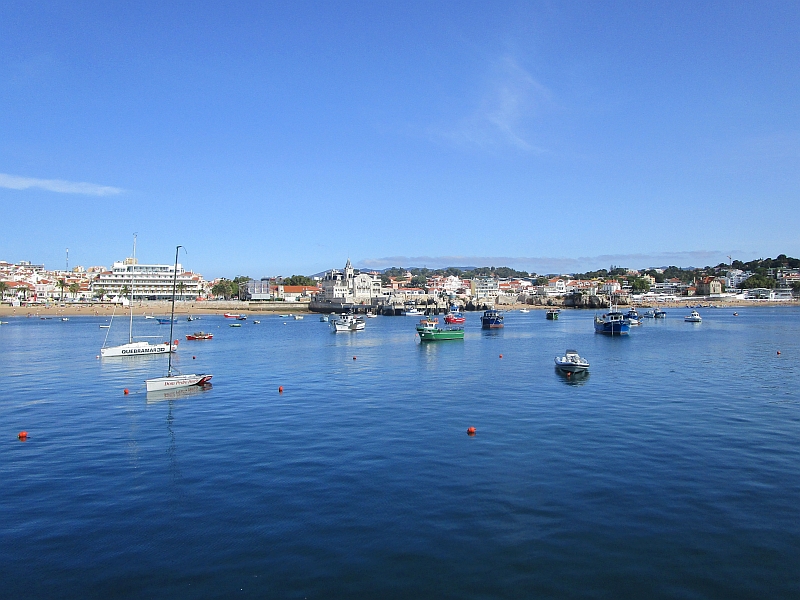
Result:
162,308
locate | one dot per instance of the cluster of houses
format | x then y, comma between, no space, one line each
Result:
27,282
351,286
24,282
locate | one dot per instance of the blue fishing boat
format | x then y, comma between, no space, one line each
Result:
633,317
165,321
612,323
492,319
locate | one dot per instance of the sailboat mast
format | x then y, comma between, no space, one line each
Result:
133,268
172,314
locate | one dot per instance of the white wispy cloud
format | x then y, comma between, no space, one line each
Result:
549,264
512,97
16,182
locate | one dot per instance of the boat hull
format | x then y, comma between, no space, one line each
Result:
454,319
159,384
612,328
345,325
137,349
551,315
491,323
435,335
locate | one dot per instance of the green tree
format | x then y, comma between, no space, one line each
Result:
223,288
125,290
640,284
757,281
419,281
181,286
3,289
100,293
300,280
62,283
74,288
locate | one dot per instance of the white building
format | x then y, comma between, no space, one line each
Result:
485,287
347,286
148,282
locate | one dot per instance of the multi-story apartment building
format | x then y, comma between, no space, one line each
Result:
148,282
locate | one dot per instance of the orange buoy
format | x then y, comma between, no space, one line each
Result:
470,431
280,389
355,357
22,435
125,391
501,356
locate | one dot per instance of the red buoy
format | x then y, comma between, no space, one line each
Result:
470,431
125,391
501,356
194,357
22,435
355,357
280,389
779,352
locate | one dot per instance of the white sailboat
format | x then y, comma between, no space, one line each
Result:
132,348
175,381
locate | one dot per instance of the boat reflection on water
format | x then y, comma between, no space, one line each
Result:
578,378
177,393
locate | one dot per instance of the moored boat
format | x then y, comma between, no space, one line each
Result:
173,381
413,312
138,349
612,323
348,322
492,319
429,332
633,317
571,362
660,314
199,335
693,317
454,318
552,314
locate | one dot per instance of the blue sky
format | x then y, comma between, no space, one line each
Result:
280,138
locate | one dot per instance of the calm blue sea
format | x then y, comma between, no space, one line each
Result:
671,471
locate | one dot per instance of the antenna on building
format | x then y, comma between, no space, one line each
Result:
67,259
134,246
730,260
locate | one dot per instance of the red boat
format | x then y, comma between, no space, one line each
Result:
454,318
230,316
199,335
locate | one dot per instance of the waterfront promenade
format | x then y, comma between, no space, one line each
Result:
160,308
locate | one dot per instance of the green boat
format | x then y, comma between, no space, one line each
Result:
429,332
552,314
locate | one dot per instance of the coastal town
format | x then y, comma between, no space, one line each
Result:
392,291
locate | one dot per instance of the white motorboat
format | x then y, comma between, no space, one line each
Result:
633,317
298,317
524,310
348,323
693,317
175,381
413,312
571,362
